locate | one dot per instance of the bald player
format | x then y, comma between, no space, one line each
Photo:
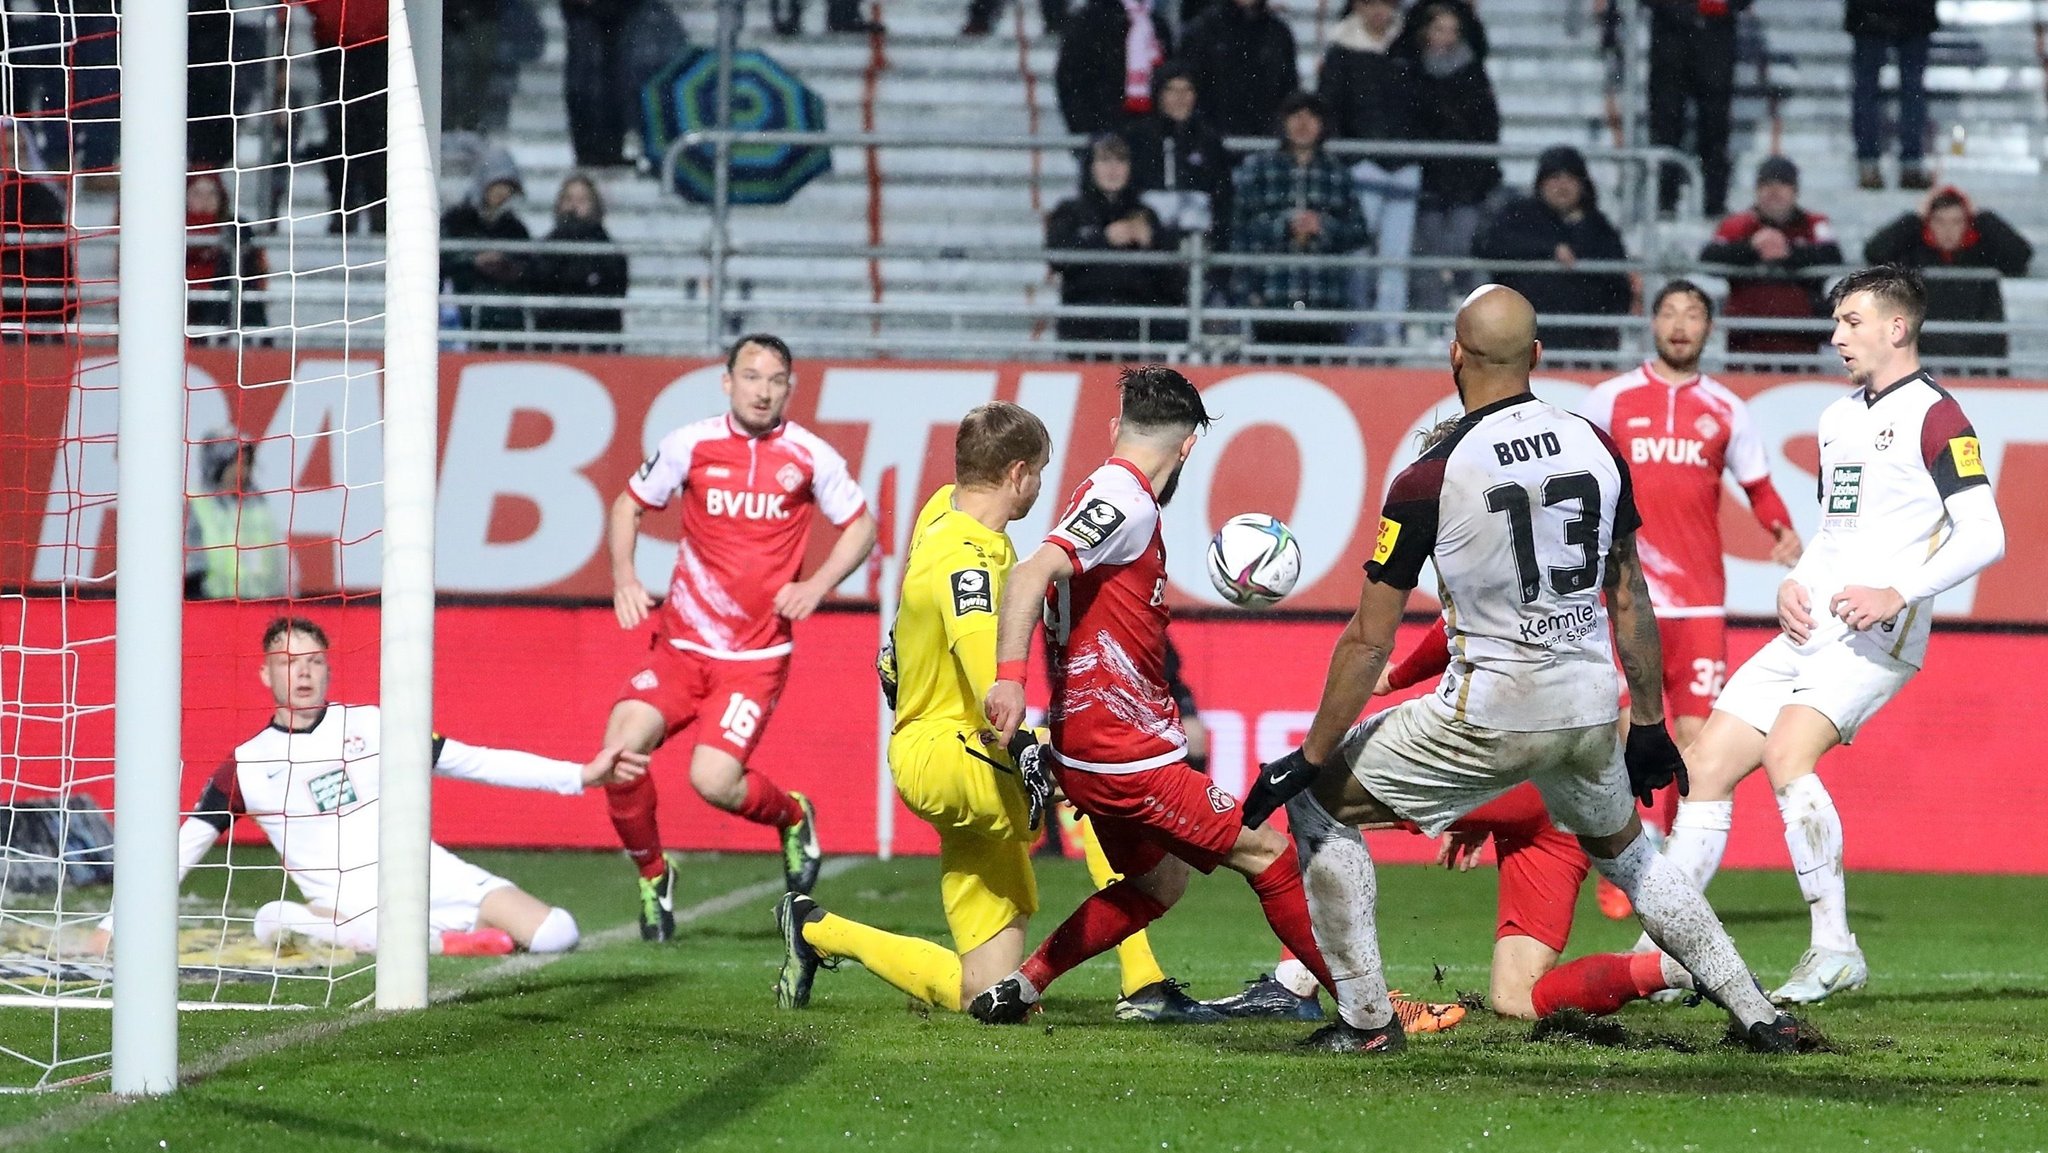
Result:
1526,511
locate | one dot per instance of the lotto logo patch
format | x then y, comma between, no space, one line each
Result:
1968,454
1221,801
1383,544
1845,490
332,790
790,477
971,592
1094,523
645,680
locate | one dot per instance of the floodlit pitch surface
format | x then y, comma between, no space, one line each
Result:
626,1046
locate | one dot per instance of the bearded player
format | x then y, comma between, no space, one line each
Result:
1682,431
1117,745
720,650
1906,513
986,801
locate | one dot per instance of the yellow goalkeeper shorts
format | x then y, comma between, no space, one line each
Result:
976,801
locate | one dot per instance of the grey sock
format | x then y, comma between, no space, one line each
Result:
1342,890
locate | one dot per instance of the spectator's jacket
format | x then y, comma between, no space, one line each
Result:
466,221
1526,229
1989,242
1409,42
1083,222
1184,156
1369,91
1089,75
35,275
600,275
1783,295
1459,107
217,254
1671,15
1242,60
1269,188
1890,19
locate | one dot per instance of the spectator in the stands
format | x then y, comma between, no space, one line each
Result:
221,256
1108,56
1950,232
36,274
469,59
1369,92
1778,238
1178,163
1109,216
597,77
522,40
234,549
210,83
1453,103
1562,224
1692,62
840,16
1298,200
1413,40
487,214
981,16
579,218
1242,58
352,63
1902,30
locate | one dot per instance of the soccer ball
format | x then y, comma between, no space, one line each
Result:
1254,560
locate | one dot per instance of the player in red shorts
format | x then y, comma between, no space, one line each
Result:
1681,430
719,655
1117,744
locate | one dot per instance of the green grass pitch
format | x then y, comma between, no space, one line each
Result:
627,1046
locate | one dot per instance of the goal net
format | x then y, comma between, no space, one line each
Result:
283,405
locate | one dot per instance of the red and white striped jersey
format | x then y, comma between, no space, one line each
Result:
1679,438
746,522
1111,709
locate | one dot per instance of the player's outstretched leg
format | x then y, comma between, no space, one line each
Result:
1342,891
1107,917
1604,982
1146,993
1813,832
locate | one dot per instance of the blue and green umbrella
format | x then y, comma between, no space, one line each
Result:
683,97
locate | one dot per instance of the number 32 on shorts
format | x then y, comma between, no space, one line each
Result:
1708,675
742,718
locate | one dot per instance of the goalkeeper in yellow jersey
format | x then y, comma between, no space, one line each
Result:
986,801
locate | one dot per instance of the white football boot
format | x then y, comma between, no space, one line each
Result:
1822,973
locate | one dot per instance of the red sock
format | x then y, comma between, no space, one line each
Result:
632,811
766,803
1286,907
1101,923
1598,984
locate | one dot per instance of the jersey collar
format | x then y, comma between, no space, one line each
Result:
742,434
319,719
1870,398
1479,414
1143,481
1650,370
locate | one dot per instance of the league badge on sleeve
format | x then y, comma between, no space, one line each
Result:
971,592
1093,523
1968,454
1383,544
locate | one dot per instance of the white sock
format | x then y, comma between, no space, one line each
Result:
1698,837
1674,973
1031,991
1813,831
1342,890
1295,975
1678,918
277,917
557,933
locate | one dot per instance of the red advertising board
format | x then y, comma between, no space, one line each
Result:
1942,780
534,446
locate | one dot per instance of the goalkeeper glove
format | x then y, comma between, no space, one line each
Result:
885,668
1037,774
1653,761
1279,782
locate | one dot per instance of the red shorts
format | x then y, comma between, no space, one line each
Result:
1695,663
729,701
1541,868
1141,817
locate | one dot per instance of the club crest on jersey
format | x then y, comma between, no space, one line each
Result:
332,790
790,477
1845,490
1221,801
645,680
1707,426
1884,438
1093,523
971,592
354,745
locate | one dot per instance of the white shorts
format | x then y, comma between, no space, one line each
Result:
1432,769
1845,678
455,893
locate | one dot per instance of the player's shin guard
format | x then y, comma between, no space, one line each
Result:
929,972
767,803
1599,984
1813,831
1135,961
1678,918
1342,890
631,807
1102,921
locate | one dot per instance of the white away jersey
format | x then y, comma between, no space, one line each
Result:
1887,465
1518,507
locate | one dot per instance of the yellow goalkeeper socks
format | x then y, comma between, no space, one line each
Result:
929,972
1134,956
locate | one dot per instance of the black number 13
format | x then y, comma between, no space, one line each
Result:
1582,530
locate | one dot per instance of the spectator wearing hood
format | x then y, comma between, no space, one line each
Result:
352,63
221,255
1881,29
1950,232
1413,39
1298,200
579,218
1108,215
1779,238
1369,92
1453,103
37,284
1110,52
487,214
1178,162
1242,58
1561,222
234,549
1692,62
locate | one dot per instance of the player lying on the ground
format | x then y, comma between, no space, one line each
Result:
1525,511
986,803
1117,745
721,645
1906,513
310,780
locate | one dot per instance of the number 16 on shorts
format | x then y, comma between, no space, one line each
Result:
742,721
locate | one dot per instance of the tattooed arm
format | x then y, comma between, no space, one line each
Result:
1635,632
